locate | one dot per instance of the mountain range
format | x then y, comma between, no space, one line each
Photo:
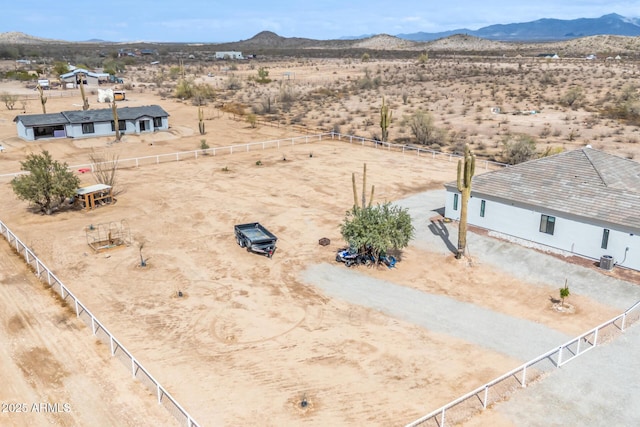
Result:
541,30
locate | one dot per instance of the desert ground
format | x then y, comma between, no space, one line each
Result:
250,339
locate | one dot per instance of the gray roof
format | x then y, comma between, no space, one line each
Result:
82,71
106,115
584,183
31,120
90,116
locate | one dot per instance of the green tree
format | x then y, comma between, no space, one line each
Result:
47,184
378,228
60,68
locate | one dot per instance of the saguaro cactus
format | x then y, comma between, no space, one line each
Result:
201,120
364,185
385,120
43,99
466,169
85,101
116,124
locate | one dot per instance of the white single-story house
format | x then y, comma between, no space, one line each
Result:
231,54
91,123
583,202
89,78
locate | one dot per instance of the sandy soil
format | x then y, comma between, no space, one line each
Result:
249,341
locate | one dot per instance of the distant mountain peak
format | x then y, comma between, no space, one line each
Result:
265,36
545,29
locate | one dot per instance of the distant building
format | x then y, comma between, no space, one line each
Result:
89,78
91,123
229,55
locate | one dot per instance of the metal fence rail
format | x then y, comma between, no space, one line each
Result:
404,148
98,329
500,388
136,162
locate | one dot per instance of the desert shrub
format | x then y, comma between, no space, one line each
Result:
518,149
184,89
573,97
233,83
423,129
9,100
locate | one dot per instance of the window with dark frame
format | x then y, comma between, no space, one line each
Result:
122,125
605,239
88,128
547,224
455,202
482,206
157,122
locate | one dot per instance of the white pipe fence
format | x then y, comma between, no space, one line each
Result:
277,143
98,329
477,400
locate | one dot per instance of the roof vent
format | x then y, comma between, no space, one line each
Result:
588,146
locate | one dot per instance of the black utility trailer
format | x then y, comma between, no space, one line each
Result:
256,238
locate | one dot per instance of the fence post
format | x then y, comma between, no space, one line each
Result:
486,397
624,317
77,309
524,376
158,392
559,356
111,344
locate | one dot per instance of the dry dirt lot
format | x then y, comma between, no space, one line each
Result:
249,339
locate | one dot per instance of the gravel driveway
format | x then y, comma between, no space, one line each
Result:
599,388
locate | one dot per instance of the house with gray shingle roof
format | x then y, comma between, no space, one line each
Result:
91,123
583,202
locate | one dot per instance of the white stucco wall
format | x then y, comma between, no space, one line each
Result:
573,235
25,132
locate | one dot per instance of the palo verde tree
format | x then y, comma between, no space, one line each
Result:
466,169
376,229
47,184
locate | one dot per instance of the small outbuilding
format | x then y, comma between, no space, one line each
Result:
94,195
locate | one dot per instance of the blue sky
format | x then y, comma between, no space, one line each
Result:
220,21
